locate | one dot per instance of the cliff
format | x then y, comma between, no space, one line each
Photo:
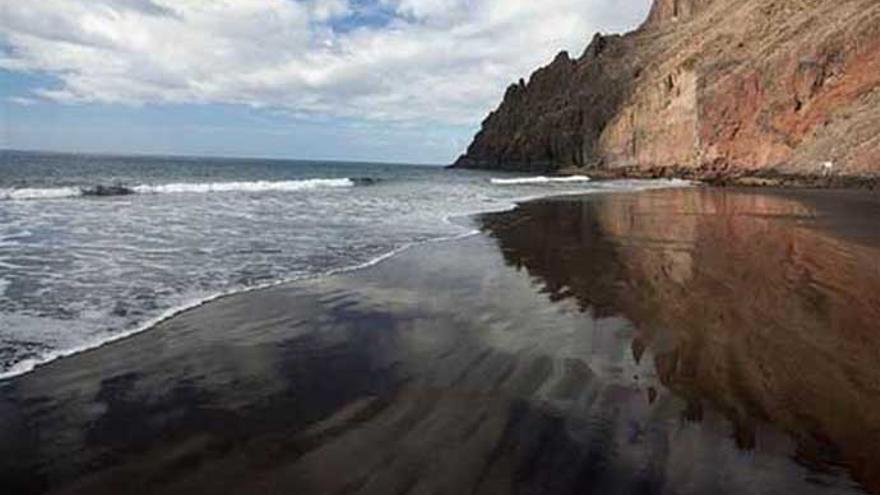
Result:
704,88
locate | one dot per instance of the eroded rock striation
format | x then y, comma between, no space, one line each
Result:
704,88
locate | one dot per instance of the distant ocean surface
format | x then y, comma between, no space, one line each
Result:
93,248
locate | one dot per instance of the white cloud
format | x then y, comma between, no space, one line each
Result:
22,100
445,61
323,10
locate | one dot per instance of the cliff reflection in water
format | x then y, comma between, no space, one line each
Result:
744,304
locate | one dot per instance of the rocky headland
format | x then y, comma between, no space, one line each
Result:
749,92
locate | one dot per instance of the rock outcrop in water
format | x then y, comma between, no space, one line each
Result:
708,89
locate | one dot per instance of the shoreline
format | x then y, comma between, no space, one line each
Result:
31,365
499,339
715,176
724,177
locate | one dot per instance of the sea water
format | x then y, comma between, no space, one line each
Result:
94,248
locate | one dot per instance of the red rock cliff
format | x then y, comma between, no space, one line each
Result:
737,86
674,10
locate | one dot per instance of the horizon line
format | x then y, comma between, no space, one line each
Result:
191,156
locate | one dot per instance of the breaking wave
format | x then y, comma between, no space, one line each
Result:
181,187
540,180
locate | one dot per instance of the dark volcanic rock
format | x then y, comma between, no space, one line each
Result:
557,118
114,190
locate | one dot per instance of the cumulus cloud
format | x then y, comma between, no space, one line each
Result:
445,61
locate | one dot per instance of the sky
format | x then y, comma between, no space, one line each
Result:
372,80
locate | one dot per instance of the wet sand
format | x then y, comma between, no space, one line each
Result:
677,342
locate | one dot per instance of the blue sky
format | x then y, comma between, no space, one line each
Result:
377,80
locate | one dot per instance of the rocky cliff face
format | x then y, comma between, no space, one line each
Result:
704,87
673,10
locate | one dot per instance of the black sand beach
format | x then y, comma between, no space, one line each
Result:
680,341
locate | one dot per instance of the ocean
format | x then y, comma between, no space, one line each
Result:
94,248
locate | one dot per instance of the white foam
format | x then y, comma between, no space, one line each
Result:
255,186
540,180
606,187
48,193
28,365
182,187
